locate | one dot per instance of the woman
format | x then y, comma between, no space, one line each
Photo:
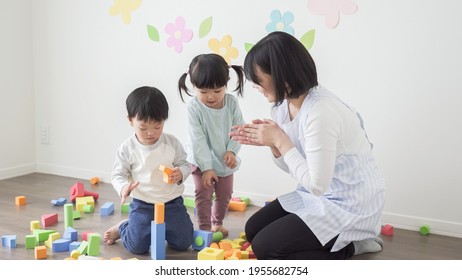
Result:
335,210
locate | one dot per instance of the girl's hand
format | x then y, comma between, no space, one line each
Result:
209,178
177,176
127,190
230,159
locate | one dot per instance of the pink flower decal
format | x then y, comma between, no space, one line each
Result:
331,9
178,34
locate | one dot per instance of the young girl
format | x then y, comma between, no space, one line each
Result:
211,152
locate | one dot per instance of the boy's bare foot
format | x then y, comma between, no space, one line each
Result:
221,229
112,234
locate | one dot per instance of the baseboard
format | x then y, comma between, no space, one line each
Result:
73,172
16,171
446,228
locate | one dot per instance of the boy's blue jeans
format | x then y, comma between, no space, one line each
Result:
135,233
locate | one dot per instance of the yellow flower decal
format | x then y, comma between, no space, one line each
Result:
224,48
125,8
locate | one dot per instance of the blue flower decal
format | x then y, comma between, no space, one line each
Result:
281,22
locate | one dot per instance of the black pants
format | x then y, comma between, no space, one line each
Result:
277,234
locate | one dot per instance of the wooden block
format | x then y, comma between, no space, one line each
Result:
166,171
40,252
159,213
20,200
211,254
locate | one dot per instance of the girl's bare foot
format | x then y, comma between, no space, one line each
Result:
112,234
221,229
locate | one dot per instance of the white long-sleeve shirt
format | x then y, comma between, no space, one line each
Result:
208,134
340,190
137,162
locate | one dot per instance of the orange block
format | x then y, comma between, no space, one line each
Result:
159,213
237,206
20,200
94,180
40,252
166,171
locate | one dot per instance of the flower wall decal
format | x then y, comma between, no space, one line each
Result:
178,34
331,9
224,48
281,22
125,9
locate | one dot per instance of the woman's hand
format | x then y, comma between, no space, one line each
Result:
127,190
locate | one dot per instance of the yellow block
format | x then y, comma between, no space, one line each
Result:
52,237
211,254
34,225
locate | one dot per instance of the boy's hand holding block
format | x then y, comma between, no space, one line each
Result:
166,171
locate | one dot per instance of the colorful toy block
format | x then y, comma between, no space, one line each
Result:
125,208
74,246
94,180
9,241
78,190
202,239
71,234
94,240
166,171
34,225
59,202
76,214
31,241
83,247
88,208
42,234
211,254
80,202
20,200
387,230
68,215
52,237
158,233
49,219
107,209
235,205
189,202
424,229
217,236
60,245
75,254
40,252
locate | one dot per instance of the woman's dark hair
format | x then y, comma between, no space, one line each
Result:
147,104
210,71
286,59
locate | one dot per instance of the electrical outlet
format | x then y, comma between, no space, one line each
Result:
45,134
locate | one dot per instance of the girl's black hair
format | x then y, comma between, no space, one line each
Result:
286,59
147,104
210,71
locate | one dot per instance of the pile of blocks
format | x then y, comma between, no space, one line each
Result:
212,246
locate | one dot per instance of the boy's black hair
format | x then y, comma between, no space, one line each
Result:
210,71
286,59
147,104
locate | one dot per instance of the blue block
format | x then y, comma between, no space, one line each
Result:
71,234
157,241
202,239
107,209
9,241
74,246
60,245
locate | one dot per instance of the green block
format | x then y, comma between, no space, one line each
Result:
83,247
189,202
425,229
125,207
76,214
31,241
94,240
42,234
88,208
245,199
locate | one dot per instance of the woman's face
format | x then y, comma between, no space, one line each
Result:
265,85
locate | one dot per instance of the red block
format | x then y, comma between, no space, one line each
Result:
49,219
387,230
78,190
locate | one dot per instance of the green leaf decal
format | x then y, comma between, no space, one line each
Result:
248,46
153,33
308,39
205,27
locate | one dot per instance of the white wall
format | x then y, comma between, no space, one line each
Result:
17,128
397,62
